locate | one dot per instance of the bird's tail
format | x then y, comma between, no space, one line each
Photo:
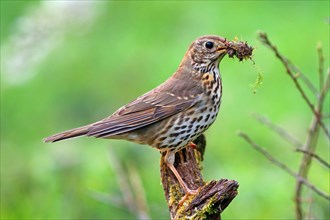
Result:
76,132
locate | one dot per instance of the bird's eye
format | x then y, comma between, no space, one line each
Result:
209,45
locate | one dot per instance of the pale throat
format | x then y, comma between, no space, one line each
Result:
207,68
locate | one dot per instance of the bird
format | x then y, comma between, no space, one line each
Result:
170,116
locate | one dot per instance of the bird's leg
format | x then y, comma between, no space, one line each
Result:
169,160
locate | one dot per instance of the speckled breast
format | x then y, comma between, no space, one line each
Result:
177,131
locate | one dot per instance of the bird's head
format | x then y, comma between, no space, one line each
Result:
207,49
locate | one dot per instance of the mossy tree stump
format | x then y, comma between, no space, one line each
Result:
212,197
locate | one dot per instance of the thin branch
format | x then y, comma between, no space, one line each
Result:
288,137
326,115
325,89
308,83
303,78
317,157
278,130
310,145
310,202
282,166
264,39
321,64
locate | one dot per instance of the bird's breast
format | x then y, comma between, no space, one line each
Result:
212,86
177,131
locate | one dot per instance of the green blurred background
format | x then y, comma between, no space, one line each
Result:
69,63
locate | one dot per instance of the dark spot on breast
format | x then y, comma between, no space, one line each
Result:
213,98
161,146
207,117
200,118
161,139
197,128
174,134
218,102
217,86
182,132
190,112
185,137
192,135
171,140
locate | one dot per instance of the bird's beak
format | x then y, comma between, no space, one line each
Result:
221,49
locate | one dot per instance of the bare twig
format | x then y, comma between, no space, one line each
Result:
282,166
321,64
264,39
277,129
310,146
317,157
325,88
307,82
288,137
326,115
303,77
310,202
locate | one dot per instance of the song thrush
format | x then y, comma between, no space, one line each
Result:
173,114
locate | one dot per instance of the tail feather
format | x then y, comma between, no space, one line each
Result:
76,132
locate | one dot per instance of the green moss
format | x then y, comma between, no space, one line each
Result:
175,194
207,210
258,81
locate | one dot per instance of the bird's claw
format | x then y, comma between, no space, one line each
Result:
189,192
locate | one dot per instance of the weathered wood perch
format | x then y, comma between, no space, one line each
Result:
213,197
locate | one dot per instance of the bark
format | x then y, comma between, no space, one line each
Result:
212,197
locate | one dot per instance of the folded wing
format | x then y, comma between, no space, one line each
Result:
147,109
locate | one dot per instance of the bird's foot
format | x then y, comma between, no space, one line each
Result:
189,192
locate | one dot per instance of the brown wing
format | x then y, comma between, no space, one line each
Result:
178,93
147,109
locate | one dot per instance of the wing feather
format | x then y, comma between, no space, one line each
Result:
144,111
